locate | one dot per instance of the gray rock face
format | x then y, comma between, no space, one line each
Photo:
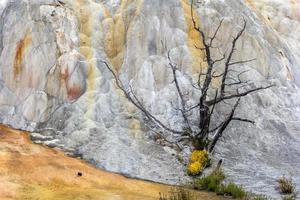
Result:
52,81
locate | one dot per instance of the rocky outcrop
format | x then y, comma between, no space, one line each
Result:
53,81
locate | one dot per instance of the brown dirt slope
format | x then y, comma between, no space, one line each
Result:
33,172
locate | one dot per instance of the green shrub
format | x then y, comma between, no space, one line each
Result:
233,190
213,183
178,193
286,186
210,182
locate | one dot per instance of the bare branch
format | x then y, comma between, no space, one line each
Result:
242,61
237,95
209,61
199,77
228,61
135,101
239,82
216,128
200,48
216,32
214,105
219,60
223,126
243,120
192,107
192,15
241,73
217,76
182,100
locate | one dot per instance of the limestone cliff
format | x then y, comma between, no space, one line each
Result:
52,81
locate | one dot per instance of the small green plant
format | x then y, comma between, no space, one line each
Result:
232,190
286,186
214,183
178,193
211,182
200,144
180,158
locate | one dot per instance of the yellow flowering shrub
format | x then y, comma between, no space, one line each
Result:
198,161
200,156
194,168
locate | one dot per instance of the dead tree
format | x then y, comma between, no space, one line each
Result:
204,136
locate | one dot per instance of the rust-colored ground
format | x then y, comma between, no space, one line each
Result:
34,172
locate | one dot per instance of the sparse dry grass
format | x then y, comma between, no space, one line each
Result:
290,197
286,185
178,193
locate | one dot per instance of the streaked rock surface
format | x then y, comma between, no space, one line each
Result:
53,81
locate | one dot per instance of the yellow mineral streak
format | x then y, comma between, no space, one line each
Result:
115,43
250,3
118,24
195,42
86,49
289,75
135,128
194,39
29,171
115,38
113,28
86,12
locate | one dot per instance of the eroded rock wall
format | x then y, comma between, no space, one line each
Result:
53,81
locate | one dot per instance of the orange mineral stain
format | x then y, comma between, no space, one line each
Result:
21,47
74,92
